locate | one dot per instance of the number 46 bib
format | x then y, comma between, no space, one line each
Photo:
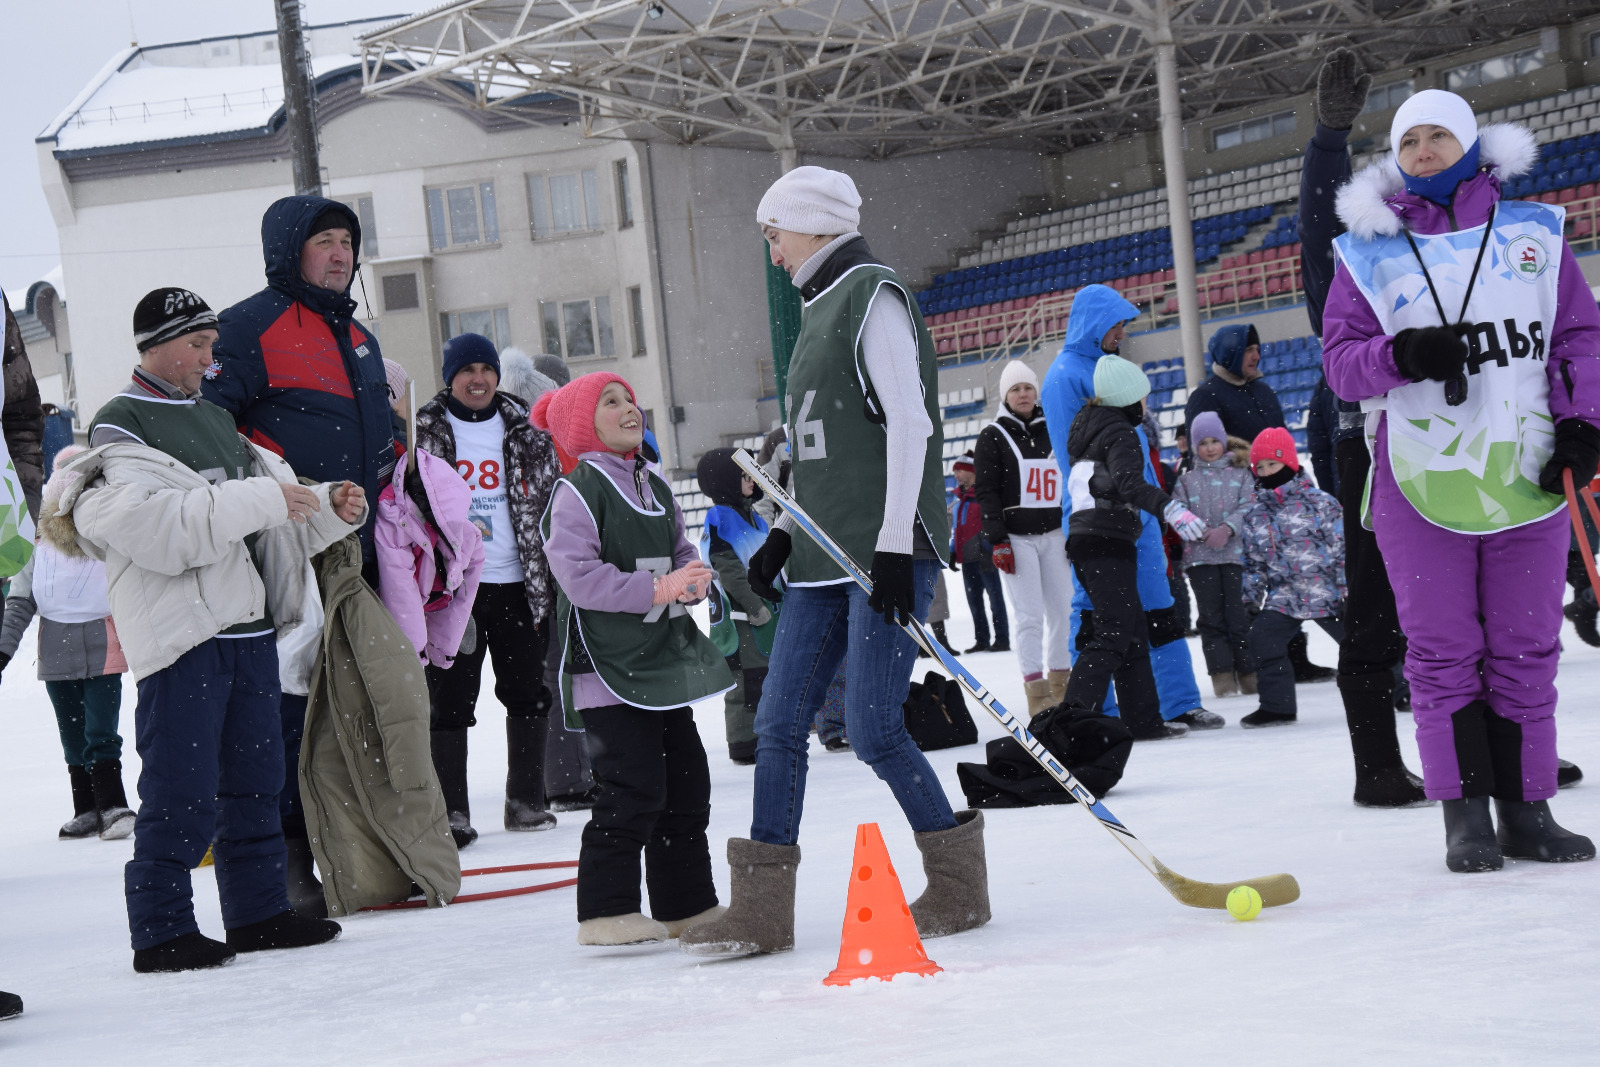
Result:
1038,479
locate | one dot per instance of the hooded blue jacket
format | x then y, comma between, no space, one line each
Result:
298,373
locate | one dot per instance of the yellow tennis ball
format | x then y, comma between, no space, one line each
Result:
1244,903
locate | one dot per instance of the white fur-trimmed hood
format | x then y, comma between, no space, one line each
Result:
1362,204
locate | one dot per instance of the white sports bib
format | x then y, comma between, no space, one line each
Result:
1473,468
1038,479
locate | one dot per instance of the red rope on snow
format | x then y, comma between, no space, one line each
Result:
467,898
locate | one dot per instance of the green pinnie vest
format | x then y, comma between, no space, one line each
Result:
836,432
659,660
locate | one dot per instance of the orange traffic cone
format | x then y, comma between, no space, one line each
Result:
879,939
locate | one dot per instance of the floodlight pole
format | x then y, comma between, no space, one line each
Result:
1178,196
297,100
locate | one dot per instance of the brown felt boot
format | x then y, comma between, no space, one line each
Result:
760,916
1040,696
1224,684
1247,684
957,897
1058,685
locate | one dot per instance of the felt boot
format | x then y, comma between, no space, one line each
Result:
1224,683
760,915
1247,683
1469,837
186,952
300,878
1529,832
675,927
116,818
1040,695
85,821
612,930
283,930
1058,685
525,802
957,897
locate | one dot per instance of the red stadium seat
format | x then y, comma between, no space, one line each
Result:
1583,226
1586,190
1254,257
1567,195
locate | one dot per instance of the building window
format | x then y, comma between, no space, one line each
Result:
564,203
493,323
1594,44
462,215
624,201
400,292
636,318
1489,71
578,329
1387,97
369,225
1251,130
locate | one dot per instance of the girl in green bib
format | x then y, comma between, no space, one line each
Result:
632,662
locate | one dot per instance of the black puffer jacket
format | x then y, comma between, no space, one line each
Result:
1106,478
23,417
998,486
531,473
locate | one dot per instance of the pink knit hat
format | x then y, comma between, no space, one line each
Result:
1274,443
567,414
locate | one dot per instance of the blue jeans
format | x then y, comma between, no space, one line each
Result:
818,627
211,741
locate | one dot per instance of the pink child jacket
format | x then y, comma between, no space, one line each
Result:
407,575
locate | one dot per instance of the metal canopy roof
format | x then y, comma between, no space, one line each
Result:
881,78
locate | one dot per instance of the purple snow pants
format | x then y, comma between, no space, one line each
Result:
1482,615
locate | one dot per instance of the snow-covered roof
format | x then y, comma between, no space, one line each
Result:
195,89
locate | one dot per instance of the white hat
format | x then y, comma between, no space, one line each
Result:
812,200
1434,107
1016,373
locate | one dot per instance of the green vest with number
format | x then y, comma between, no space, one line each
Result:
659,660
839,452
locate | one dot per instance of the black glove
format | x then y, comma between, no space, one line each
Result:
1435,352
1578,449
893,593
1341,90
543,700
767,564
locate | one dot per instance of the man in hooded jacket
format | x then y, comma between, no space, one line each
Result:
1236,391
1095,329
302,378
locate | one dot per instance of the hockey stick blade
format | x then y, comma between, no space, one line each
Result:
1275,889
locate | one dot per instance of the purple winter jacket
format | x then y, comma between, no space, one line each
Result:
1358,357
573,552
430,608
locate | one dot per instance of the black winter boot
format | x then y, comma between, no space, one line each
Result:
85,821
1469,839
450,763
1262,717
186,952
1391,787
283,930
1304,670
1584,615
1529,832
116,818
10,1005
1382,780
525,802
1567,774
300,878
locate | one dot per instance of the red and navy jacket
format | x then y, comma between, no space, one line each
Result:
298,373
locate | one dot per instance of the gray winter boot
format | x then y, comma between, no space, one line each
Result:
957,897
760,916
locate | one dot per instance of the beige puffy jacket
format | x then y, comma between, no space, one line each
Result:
177,569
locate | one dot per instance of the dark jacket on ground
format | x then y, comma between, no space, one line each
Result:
22,419
999,486
1106,482
531,472
298,373
1324,168
1246,406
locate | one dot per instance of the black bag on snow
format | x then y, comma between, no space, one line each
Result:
1094,747
936,714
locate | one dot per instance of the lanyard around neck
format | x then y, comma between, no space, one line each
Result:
1488,228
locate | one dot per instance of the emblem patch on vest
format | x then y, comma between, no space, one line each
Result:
1527,258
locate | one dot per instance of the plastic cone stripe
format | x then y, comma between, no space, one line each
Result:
879,939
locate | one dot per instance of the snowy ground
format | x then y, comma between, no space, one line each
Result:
1087,959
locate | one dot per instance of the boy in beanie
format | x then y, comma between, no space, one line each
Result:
742,621
1293,569
1221,490
205,537
511,467
1106,480
633,662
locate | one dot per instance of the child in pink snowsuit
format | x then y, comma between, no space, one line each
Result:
430,556
1463,322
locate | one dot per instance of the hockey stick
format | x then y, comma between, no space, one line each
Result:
1275,889
1582,535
